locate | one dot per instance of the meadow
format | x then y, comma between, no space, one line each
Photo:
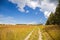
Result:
51,32
29,32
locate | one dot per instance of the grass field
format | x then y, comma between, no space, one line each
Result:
29,32
52,32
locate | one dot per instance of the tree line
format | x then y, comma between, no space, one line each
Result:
54,18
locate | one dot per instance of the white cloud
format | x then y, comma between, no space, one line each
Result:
45,5
32,4
47,14
22,3
27,11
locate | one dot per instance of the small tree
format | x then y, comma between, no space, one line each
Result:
50,19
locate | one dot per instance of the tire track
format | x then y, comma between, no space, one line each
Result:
28,36
40,34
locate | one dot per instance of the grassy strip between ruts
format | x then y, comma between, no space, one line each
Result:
34,35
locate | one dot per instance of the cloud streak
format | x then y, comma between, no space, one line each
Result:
13,21
7,20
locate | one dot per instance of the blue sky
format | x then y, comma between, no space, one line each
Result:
25,12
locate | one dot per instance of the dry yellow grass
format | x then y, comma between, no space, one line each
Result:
51,32
19,32
14,32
